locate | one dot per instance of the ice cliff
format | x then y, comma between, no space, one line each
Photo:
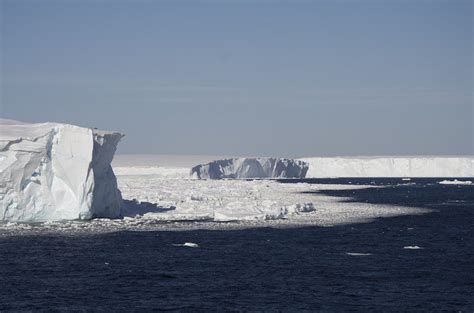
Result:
251,168
321,167
390,167
52,171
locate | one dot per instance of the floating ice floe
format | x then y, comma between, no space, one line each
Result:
247,202
52,171
455,182
187,244
159,198
358,254
412,247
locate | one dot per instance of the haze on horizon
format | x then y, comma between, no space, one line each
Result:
273,78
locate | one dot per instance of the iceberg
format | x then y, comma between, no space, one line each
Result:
54,171
251,168
323,167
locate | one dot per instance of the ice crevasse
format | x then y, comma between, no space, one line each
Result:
53,171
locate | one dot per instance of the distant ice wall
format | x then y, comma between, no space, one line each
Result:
390,167
251,168
53,171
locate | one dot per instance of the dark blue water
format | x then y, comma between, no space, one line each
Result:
261,269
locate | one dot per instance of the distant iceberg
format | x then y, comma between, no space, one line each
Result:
251,168
52,171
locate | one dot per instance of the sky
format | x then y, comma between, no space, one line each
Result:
253,78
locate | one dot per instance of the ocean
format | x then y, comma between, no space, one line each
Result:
407,263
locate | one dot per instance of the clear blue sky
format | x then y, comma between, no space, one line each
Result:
282,78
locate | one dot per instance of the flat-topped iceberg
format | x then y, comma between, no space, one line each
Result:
251,168
52,171
390,166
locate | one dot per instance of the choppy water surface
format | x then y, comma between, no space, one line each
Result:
405,263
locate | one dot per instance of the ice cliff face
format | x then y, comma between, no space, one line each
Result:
390,167
251,168
53,171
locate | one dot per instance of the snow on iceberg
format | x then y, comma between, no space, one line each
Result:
251,168
52,171
320,167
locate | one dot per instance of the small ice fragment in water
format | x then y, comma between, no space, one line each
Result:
191,245
406,179
358,254
187,244
455,182
412,247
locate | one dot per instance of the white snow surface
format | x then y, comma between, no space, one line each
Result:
251,168
53,171
321,167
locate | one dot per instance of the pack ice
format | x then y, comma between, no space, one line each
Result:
251,168
52,171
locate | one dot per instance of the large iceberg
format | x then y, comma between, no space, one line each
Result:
390,167
251,168
52,171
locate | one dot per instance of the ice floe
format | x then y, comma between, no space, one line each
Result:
187,244
455,182
358,254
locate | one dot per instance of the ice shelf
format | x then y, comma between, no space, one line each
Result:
438,166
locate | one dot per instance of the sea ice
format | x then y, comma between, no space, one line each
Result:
358,254
249,202
186,204
187,244
455,182
412,247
